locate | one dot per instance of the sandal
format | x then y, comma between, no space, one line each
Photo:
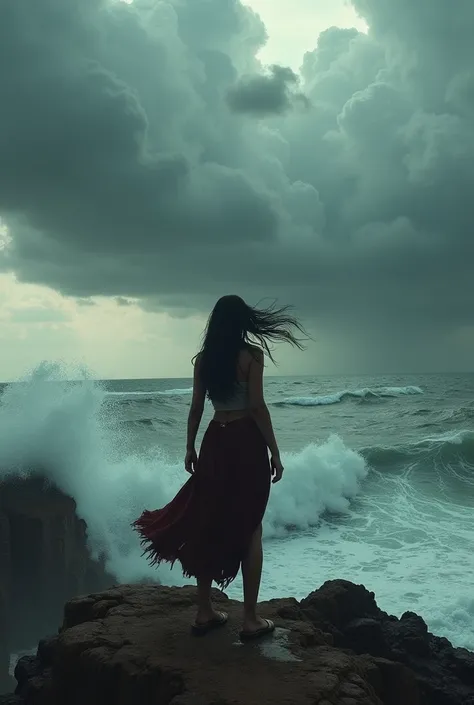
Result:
269,628
206,627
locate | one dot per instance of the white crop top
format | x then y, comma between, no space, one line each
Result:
237,402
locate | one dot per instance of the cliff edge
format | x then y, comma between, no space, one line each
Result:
44,561
131,645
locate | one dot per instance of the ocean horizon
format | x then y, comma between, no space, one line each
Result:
378,488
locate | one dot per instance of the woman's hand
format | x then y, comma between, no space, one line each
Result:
190,461
277,468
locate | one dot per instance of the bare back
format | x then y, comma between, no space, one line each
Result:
247,360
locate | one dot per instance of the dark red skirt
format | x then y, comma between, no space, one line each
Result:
208,525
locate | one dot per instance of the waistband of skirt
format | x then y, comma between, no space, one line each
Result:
224,424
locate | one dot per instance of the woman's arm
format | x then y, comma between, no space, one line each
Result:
258,408
197,407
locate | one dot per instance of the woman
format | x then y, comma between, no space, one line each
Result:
214,524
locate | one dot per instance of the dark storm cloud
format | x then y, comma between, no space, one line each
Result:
264,95
127,170
104,132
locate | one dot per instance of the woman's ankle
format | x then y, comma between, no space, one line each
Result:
250,613
205,606
205,612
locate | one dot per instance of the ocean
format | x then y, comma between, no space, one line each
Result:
378,487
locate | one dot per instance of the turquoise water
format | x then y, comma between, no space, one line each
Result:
378,488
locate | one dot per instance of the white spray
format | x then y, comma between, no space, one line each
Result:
63,430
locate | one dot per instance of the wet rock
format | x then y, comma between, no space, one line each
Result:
444,674
365,635
338,602
44,561
131,645
27,667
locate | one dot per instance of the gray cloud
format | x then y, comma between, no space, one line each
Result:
273,93
125,172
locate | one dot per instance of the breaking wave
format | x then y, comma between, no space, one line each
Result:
447,448
147,396
366,394
65,431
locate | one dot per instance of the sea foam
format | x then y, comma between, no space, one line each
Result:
366,394
64,431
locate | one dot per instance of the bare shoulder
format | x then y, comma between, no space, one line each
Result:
253,352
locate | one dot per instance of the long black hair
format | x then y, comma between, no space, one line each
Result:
233,325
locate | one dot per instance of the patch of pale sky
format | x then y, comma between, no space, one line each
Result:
112,341
293,26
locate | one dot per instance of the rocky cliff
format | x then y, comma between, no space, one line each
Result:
44,561
131,645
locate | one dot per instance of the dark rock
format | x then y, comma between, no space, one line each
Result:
133,647
46,650
399,682
338,602
11,699
460,662
408,635
27,668
445,675
365,636
39,530
291,610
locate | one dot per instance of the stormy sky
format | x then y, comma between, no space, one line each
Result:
157,154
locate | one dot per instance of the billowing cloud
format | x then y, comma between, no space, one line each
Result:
268,94
135,162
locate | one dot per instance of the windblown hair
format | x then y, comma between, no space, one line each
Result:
234,325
